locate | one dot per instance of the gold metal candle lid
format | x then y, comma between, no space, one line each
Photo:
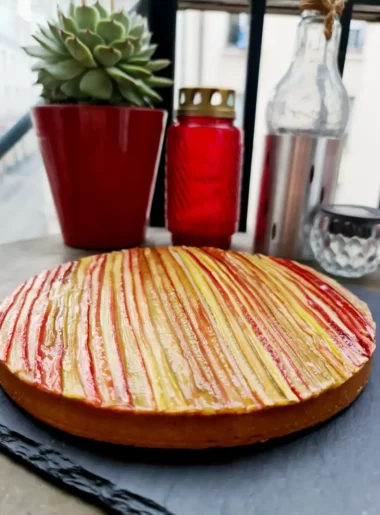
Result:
216,102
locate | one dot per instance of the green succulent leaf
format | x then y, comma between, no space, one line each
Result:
130,95
72,9
110,30
107,55
125,46
137,31
138,20
145,40
90,39
147,91
45,33
134,18
55,31
147,52
138,46
138,61
158,82
71,88
59,15
65,35
124,41
58,96
86,17
49,45
102,12
38,51
46,95
158,65
121,77
122,18
136,71
68,24
80,52
97,84
116,99
64,70
46,80
39,65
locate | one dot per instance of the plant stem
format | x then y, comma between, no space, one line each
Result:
112,2
83,2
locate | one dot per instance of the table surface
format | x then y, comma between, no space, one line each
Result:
21,491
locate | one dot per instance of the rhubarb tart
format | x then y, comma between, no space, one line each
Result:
183,347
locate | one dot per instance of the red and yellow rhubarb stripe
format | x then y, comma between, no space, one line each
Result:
182,330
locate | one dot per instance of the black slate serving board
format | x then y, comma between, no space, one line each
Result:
330,470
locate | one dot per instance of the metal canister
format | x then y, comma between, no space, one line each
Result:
300,173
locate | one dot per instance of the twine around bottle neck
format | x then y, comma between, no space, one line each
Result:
330,8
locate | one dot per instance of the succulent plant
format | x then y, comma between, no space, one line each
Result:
93,56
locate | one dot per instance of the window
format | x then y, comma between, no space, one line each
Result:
356,37
201,57
238,30
359,180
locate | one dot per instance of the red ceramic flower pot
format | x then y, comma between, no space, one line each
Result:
101,162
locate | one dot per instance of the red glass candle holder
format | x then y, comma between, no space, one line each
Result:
203,169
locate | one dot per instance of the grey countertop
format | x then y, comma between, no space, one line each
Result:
21,491
24,493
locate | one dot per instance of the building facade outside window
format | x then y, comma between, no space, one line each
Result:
238,31
356,37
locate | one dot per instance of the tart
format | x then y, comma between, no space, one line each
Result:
183,347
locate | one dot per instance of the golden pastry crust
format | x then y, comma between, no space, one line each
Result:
183,347
180,431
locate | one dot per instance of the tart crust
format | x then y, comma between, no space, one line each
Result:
180,431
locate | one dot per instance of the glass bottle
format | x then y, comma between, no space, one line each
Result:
311,99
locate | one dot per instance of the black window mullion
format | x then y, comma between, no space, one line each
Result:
345,21
251,90
162,17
